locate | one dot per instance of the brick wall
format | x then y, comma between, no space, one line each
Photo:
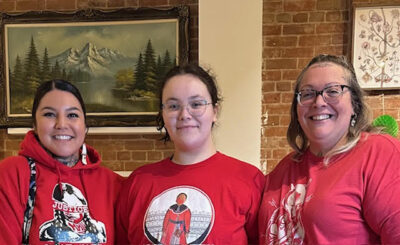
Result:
293,32
119,152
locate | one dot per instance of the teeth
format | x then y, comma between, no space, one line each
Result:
320,117
63,137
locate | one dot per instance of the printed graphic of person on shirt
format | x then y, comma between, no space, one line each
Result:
176,222
72,222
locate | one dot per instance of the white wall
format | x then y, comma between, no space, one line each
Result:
230,42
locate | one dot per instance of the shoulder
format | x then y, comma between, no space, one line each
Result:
234,164
379,141
109,174
14,163
148,169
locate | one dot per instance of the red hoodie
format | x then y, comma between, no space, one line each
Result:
72,205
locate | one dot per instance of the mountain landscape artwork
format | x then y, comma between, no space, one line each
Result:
117,66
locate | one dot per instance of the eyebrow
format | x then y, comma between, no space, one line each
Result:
74,108
190,98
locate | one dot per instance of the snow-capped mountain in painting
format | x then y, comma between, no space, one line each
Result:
102,62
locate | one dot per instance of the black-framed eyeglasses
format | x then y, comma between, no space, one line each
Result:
195,108
330,94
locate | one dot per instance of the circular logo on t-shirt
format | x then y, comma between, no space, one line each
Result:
179,215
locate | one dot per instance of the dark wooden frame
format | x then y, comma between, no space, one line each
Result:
181,13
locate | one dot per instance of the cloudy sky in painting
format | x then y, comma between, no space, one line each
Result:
129,38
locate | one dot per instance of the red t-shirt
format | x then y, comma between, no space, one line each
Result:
353,200
222,197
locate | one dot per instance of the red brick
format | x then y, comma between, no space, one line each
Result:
290,74
268,86
152,3
335,50
273,75
299,5
132,3
116,3
281,63
313,40
124,155
280,41
272,29
298,29
7,6
268,18
91,3
331,28
60,4
271,98
273,120
283,18
28,5
139,155
272,7
333,16
139,145
272,53
317,17
339,38
283,86
332,5
154,156
275,131
298,52
285,119
300,17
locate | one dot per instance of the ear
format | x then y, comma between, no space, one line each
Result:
216,112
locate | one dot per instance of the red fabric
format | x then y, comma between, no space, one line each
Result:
171,230
98,185
233,187
355,200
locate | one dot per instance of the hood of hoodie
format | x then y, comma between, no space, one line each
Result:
30,147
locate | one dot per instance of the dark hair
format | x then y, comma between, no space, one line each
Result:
194,70
295,134
51,85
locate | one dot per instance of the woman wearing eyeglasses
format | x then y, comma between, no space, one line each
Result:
198,195
341,183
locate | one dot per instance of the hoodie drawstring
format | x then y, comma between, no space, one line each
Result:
59,179
81,173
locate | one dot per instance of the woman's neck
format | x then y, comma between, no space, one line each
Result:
192,157
69,161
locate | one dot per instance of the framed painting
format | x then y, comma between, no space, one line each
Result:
115,58
376,46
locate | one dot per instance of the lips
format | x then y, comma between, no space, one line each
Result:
187,126
62,137
320,117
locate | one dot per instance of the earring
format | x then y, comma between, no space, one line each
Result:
353,120
84,153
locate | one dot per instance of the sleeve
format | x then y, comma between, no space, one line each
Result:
123,213
381,200
252,223
14,187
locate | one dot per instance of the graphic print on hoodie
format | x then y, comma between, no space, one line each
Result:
72,221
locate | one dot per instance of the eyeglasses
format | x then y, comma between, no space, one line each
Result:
330,94
195,108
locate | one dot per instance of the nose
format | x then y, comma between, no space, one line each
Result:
60,122
319,99
184,112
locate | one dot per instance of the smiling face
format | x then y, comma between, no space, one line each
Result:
60,123
188,132
325,124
